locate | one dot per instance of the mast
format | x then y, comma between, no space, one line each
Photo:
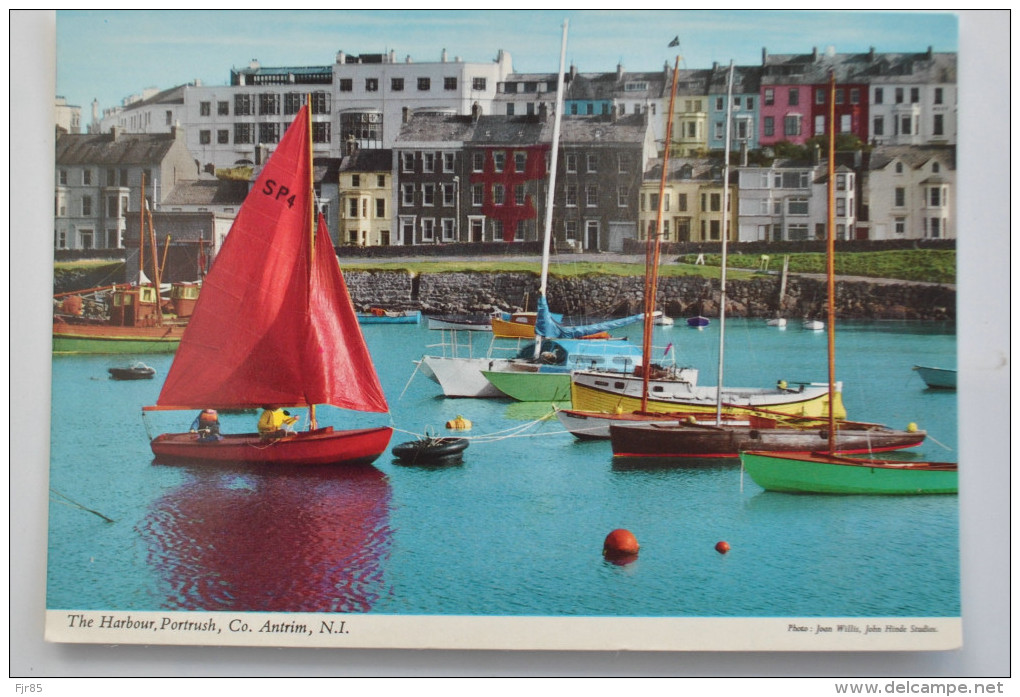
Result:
830,263
547,239
652,254
725,240
155,269
141,232
312,422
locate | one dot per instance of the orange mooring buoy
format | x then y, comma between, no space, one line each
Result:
620,544
722,547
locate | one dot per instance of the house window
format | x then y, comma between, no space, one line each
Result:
937,126
915,95
522,228
380,180
428,162
428,230
899,95
86,205
681,202
424,84
86,177
407,161
371,84
769,126
291,103
407,194
841,207
497,230
592,163
878,126
791,125
223,136
520,161
819,96
320,131
243,133
380,208
205,108
499,161
428,194
478,83
477,162
934,229
269,103
449,194
819,125
770,96
592,196
242,105
938,95
621,197
510,109
793,98
449,161
204,137
355,180
571,162
794,206
346,84
223,108
797,232
571,194
63,177
497,194
935,196
352,207
622,165
447,224
397,84
855,95
899,197
269,132
570,229
449,83
900,225
879,95
477,194
519,194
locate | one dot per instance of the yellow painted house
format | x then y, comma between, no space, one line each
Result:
365,198
692,204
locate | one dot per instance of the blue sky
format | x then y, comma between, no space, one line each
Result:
108,55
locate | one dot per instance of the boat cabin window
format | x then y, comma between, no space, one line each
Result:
147,295
618,385
657,388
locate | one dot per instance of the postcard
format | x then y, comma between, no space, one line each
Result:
457,330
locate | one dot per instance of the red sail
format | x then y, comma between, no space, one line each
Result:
262,332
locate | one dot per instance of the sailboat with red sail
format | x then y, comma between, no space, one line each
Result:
275,325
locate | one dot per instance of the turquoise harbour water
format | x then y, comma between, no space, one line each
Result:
517,529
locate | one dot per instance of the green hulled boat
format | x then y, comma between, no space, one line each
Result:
821,473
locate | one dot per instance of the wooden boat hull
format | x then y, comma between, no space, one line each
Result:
462,377
323,446
99,338
728,441
466,325
594,425
937,378
592,391
824,474
531,386
406,317
131,373
521,326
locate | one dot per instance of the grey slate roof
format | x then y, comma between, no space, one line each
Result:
912,155
111,149
373,160
207,192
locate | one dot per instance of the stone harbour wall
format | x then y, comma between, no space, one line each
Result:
600,296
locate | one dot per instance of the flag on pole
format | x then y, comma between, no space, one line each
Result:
675,41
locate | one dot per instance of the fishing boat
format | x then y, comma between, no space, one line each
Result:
708,439
136,320
823,473
823,470
776,322
138,371
698,322
594,425
469,323
377,315
275,325
813,325
937,378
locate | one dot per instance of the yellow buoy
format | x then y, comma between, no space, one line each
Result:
912,427
459,424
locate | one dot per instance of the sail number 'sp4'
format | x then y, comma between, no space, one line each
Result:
278,191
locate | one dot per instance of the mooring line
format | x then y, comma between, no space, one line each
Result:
75,504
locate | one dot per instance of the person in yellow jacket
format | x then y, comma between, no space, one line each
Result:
275,422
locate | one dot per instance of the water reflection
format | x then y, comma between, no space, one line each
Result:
272,539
